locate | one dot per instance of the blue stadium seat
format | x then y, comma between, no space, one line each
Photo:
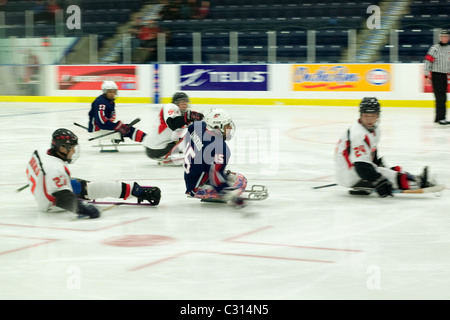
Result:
213,54
328,53
416,36
292,54
252,38
429,7
181,39
179,54
15,18
44,30
437,21
215,38
332,36
291,37
18,6
252,54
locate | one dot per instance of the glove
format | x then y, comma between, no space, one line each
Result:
383,187
88,209
122,128
190,116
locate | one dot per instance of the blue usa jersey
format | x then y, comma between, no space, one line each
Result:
205,160
102,115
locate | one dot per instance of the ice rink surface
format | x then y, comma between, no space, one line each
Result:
299,243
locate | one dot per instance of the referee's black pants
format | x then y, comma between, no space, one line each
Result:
439,82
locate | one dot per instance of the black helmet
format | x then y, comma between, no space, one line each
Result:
180,96
369,105
63,138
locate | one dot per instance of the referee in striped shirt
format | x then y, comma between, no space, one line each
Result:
436,68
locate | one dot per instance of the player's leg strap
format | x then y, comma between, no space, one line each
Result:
206,191
362,187
79,187
237,181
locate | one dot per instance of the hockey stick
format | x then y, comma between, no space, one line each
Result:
132,123
120,203
81,126
325,186
171,162
22,188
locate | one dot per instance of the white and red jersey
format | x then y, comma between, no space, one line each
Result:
356,144
47,174
160,135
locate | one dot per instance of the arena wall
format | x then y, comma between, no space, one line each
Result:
397,85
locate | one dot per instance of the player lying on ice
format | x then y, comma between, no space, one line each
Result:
102,115
358,165
54,189
206,157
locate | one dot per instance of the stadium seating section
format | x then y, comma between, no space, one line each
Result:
289,19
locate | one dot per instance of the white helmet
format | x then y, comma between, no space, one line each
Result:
109,85
217,119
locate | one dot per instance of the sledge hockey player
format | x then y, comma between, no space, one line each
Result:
206,157
163,140
102,115
358,164
55,190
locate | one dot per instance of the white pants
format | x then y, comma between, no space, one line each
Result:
349,177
